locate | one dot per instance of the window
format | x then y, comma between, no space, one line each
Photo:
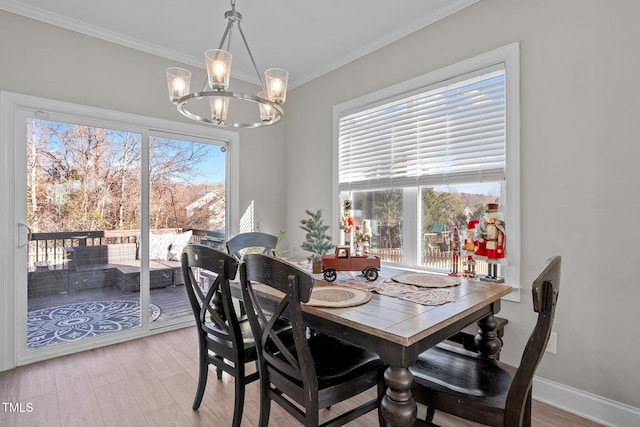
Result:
424,158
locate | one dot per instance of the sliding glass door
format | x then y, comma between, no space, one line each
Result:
103,209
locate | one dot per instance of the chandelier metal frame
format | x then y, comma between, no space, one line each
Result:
276,111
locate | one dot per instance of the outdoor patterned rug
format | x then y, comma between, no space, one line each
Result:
71,322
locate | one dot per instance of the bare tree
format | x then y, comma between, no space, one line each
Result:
87,178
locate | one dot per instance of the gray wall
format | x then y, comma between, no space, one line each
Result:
580,97
580,94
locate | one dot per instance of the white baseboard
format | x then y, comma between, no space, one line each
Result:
596,408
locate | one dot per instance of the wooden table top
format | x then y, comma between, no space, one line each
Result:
404,322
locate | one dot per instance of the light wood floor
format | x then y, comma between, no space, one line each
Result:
151,382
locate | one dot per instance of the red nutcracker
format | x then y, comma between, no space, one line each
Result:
491,242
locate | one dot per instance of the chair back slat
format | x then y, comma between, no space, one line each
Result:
213,311
545,291
296,285
238,244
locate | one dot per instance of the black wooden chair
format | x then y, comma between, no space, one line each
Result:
255,239
469,386
309,373
224,341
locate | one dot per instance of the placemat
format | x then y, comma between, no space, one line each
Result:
427,280
338,296
421,295
386,286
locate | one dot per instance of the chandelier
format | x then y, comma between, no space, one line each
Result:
216,104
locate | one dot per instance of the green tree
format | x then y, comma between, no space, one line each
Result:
318,242
432,210
453,210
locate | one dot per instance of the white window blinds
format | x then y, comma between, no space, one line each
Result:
452,132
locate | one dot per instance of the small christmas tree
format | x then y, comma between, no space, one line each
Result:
318,242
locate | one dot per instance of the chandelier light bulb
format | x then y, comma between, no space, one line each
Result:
219,69
178,85
276,88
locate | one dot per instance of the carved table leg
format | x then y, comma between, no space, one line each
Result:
398,407
487,341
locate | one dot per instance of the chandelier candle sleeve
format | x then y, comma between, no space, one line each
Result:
277,80
219,108
266,112
218,68
178,82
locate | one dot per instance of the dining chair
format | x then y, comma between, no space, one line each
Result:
311,372
463,383
254,239
224,341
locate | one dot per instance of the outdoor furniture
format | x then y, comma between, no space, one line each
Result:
105,265
309,373
116,265
479,389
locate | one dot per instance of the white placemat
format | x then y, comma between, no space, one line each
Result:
338,296
427,280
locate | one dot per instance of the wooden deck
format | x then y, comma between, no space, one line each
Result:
173,301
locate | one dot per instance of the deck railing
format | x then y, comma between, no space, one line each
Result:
431,258
47,249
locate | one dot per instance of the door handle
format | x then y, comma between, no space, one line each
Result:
20,224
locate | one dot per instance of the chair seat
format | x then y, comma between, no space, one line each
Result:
336,361
464,374
245,329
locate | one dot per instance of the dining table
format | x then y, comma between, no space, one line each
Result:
398,330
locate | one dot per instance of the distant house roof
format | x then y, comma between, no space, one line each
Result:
212,199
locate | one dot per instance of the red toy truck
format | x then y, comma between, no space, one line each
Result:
342,260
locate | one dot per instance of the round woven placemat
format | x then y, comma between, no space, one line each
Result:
338,296
426,280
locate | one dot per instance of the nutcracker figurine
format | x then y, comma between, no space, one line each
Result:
454,247
366,236
470,245
491,241
346,225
